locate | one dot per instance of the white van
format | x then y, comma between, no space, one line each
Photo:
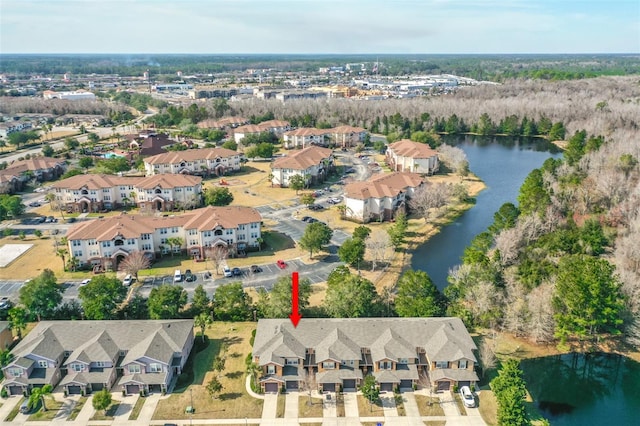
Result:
177,276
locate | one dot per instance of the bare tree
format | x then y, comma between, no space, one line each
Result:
217,255
377,245
308,384
429,198
487,355
541,323
134,263
454,158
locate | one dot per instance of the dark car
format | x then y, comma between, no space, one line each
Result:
305,218
5,303
189,276
71,220
312,220
34,204
236,272
255,269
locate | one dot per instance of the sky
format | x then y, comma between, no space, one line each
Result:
320,26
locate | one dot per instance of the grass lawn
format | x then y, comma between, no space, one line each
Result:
488,406
340,405
53,407
108,414
13,413
233,401
365,410
77,408
459,404
39,257
280,406
135,411
429,410
312,410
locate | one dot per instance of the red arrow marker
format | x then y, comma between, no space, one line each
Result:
295,314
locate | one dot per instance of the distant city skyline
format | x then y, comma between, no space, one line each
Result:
320,26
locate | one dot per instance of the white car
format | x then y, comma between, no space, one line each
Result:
127,280
227,271
467,397
85,282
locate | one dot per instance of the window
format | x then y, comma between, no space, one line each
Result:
328,365
293,361
347,362
77,367
403,361
385,365
100,364
42,363
155,367
76,243
271,369
134,368
15,372
462,364
442,364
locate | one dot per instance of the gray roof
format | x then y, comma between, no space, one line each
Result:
337,376
403,372
87,377
88,339
147,379
457,374
444,339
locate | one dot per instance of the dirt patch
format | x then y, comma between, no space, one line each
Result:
41,256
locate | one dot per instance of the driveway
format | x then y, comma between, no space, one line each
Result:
270,406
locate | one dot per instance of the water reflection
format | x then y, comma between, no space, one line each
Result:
583,389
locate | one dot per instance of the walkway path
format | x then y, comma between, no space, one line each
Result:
410,404
389,405
291,405
351,404
270,407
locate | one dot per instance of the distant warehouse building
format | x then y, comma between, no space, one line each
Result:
76,95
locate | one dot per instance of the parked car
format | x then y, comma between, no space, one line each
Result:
24,407
467,397
34,204
84,282
316,207
5,303
236,272
177,276
128,280
312,220
227,271
281,264
305,218
71,220
189,276
255,269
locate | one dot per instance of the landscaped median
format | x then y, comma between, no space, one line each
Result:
232,401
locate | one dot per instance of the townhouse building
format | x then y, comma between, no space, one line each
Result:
103,243
338,353
380,197
410,156
7,128
313,164
206,161
343,136
347,136
97,192
80,357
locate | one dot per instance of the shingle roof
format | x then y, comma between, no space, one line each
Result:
346,129
303,159
132,226
50,338
383,185
439,336
307,131
101,181
99,348
407,148
174,157
35,163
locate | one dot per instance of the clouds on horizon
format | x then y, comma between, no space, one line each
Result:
319,26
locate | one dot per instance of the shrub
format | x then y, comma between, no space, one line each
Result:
4,393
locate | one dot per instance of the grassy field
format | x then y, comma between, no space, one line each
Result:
53,407
369,410
400,405
309,410
38,258
429,410
233,401
135,411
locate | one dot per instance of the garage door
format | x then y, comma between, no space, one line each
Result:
155,388
461,384
95,387
443,386
350,384
292,385
74,389
386,387
406,384
329,387
133,389
271,387
15,390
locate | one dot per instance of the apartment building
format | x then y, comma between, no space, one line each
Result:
96,192
312,163
205,161
104,243
409,156
277,127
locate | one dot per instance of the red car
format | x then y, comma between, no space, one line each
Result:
281,264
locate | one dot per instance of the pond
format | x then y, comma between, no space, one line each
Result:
502,164
585,389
